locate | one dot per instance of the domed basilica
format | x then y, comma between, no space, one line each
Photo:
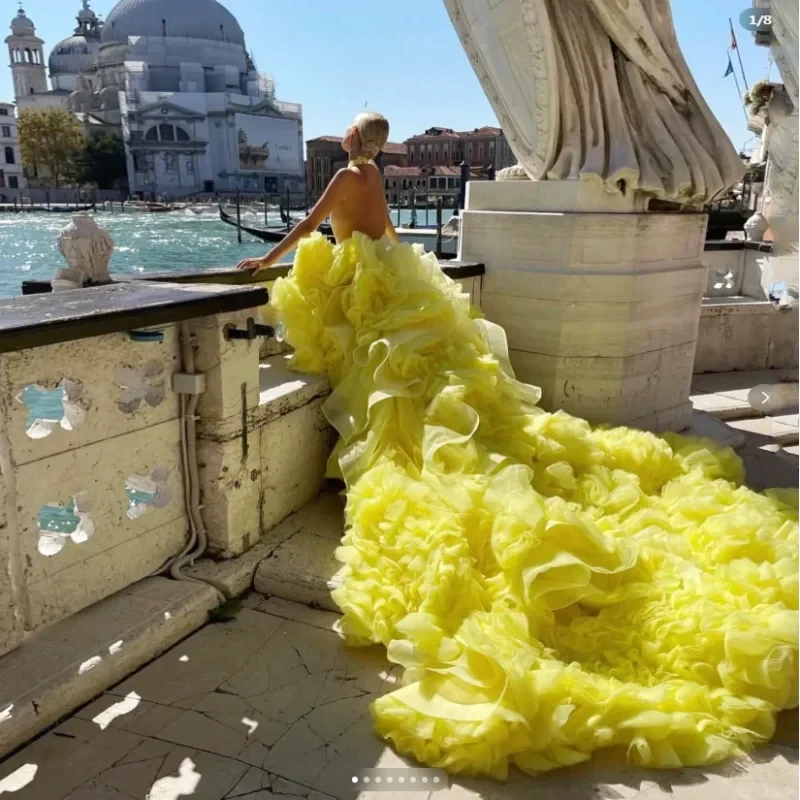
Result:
174,79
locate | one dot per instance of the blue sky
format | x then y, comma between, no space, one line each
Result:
403,58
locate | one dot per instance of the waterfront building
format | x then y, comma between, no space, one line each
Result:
427,183
175,80
324,157
444,147
11,176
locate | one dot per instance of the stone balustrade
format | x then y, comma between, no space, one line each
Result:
92,481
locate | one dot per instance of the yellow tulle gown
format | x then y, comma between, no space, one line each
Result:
550,589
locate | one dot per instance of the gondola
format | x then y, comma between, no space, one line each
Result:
273,235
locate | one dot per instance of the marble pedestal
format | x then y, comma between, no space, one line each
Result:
600,299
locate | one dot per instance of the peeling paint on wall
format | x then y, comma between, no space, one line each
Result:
49,409
146,492
60,522
146,385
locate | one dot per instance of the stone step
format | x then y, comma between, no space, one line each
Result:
57,670
301,565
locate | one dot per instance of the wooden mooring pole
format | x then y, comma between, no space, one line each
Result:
439,226
239,217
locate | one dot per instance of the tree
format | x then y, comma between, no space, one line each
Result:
100,161
49,138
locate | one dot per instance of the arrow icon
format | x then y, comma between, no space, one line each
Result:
761,397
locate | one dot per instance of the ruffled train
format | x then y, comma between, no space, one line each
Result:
550,589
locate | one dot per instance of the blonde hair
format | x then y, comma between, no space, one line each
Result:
373,131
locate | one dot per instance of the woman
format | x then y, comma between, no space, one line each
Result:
550,589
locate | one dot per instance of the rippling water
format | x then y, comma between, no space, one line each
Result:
177,241
144,243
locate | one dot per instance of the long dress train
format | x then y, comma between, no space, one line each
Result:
550,589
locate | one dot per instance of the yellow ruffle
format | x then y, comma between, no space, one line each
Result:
550,589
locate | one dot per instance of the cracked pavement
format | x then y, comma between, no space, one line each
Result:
272,706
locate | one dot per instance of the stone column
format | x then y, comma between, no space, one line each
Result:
600,301
780,200
600,296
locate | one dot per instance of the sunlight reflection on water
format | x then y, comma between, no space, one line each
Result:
144,243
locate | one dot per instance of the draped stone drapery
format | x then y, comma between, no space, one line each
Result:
598,90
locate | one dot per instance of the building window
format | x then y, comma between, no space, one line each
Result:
3,112
13,182
10,157
28,56
166,133
6,131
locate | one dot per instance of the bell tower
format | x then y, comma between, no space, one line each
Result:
27,60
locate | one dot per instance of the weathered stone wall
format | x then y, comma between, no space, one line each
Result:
92,482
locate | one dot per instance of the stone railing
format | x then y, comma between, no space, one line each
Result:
98,401
733,268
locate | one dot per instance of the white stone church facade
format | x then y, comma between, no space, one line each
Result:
175,80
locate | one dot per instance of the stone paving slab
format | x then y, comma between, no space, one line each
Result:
60,668
272,706
769,429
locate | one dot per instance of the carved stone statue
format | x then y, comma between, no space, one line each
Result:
597,90
87,249
755,227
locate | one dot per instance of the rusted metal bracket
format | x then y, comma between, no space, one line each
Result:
253,331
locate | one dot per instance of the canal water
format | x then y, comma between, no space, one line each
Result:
173,242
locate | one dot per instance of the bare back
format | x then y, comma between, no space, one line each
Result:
360,204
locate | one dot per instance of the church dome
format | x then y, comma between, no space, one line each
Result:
193,19
74,55
77,53
22,26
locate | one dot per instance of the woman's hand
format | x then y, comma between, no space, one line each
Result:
251,264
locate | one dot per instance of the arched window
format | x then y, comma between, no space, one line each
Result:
166,133
10,157
28,55
37,57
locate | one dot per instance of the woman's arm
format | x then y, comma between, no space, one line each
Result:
321,211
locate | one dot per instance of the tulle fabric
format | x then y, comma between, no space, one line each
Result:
550,589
